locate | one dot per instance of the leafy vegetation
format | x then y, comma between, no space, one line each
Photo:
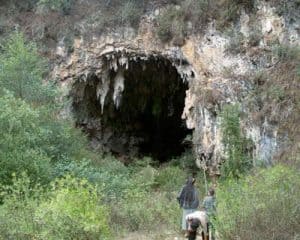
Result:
54,187
171,24
262,206
61,5
22,69
235,143
33,139
72,209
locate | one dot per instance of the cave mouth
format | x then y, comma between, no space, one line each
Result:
134,110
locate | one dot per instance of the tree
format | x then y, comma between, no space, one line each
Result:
235,143
22,70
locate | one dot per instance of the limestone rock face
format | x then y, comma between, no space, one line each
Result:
214,78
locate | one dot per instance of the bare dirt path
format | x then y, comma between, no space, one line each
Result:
152,236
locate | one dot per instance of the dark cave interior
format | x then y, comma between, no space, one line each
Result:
147,121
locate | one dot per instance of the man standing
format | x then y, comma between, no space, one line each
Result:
188,199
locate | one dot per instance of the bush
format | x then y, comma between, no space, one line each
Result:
19,202
72,209
235,144
197,12
114,177
170,24
141,210
22,70
55,5
32,140
236,42
20,139
170,179
129,13
263,206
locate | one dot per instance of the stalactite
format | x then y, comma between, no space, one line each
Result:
118,87
103,88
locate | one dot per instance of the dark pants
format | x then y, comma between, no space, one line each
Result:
192,235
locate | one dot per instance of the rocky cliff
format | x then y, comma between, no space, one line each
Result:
130,90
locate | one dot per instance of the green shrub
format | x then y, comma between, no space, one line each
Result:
22,69
19,203
287,53
56,5
129,13
235,144
170,178
236,42
170,24
197,12
72,209
141,210
32,140
20,139
263,206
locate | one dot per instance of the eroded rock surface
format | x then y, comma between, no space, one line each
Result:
201,72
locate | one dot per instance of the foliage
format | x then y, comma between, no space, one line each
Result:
20,140
21,199
197,12
116,13
236,41
262,206
235,144
24,5
22,69
32,140
72,209
287,8
170,178
129,13
170,24
141,210
32,136
62,5
112,174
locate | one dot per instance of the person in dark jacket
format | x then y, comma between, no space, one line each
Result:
188,199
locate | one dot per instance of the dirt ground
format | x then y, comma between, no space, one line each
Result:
154,236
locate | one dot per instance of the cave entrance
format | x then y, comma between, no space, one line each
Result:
134,110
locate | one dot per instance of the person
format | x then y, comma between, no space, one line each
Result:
194,221
209,204
188,199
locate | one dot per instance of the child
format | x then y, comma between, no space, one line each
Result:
209,204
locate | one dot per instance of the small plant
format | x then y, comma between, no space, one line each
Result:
236,42
235,144
129,13
22,70
262,206
74,211
170,24
55,5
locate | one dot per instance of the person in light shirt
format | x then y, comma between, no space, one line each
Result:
194,221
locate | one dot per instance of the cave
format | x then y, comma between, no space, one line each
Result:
134,109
